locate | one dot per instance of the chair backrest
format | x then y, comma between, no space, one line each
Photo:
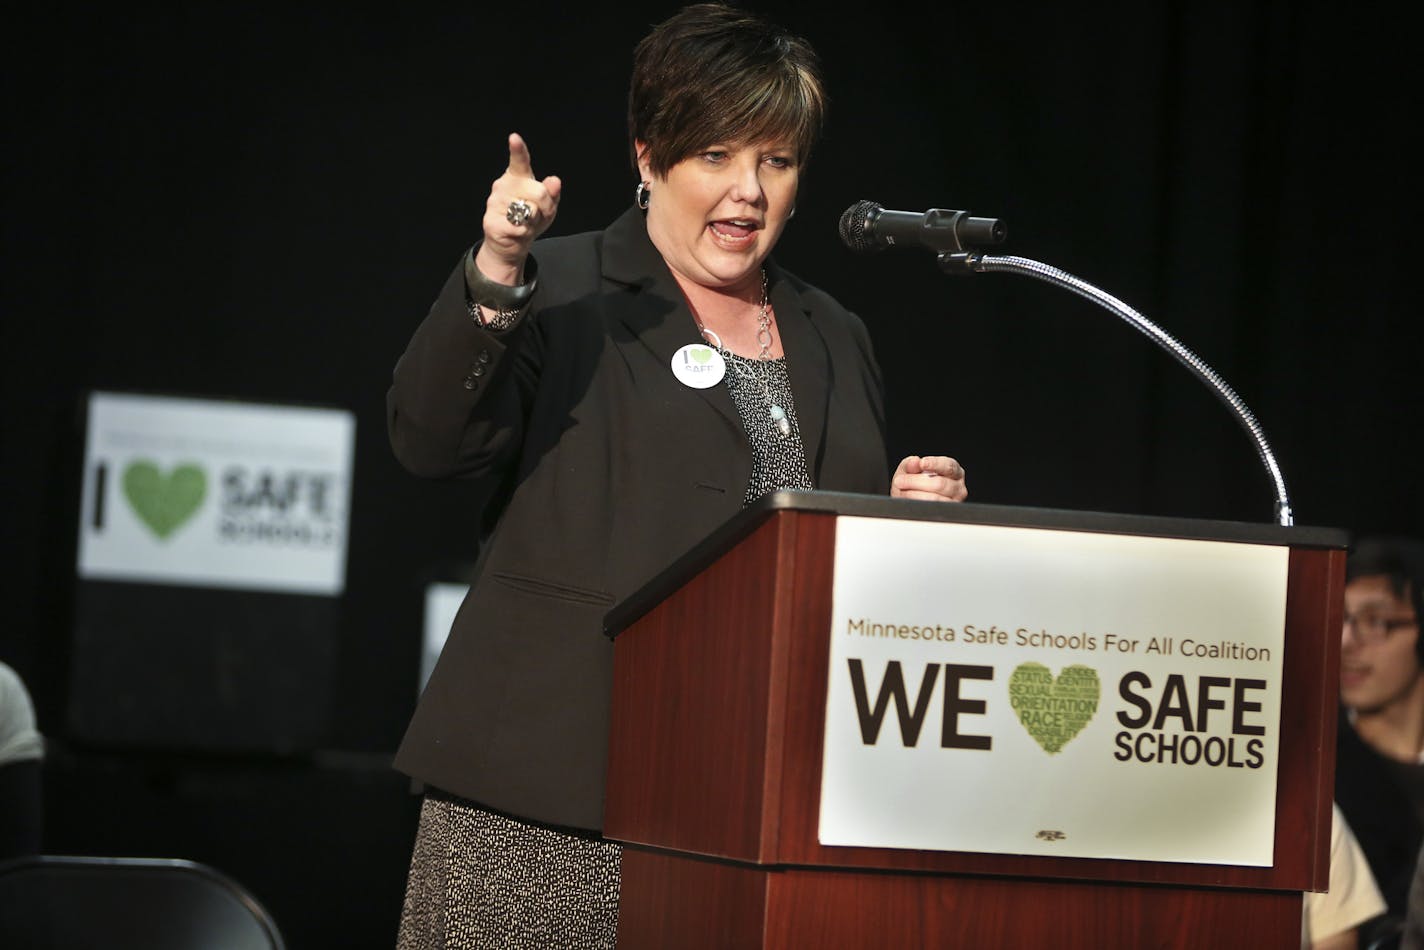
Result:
122,903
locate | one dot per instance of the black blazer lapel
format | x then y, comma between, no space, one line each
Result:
657,314
808,362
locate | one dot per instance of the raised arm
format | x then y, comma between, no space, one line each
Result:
460,392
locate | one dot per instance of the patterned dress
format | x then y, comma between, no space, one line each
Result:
778,458
480,879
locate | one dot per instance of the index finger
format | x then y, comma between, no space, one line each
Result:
519,163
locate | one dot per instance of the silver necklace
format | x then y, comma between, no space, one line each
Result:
778,415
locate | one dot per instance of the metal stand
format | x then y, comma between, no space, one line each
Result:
959,262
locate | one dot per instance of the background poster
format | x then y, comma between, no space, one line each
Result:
217,494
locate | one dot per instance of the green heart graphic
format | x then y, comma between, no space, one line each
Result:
1054,711
701,354
164,503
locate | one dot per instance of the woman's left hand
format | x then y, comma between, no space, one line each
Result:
929,478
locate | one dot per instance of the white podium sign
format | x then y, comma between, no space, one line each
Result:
1029,691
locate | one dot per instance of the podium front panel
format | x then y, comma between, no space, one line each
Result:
720,715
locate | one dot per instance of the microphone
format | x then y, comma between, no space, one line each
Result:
866,226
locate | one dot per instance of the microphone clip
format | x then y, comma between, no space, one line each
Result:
953,236
959,262
954,239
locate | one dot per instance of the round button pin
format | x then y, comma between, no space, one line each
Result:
699,366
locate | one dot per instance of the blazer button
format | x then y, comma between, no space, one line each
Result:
484,356
471,382
477,370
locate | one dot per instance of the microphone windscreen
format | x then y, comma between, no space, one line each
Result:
854,231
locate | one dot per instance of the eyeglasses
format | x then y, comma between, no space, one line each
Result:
1373,627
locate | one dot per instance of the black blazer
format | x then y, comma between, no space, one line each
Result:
605,469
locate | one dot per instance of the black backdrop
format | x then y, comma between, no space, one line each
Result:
231,202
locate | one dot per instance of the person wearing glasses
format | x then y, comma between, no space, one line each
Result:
1379,770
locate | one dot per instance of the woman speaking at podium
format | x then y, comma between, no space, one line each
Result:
623,392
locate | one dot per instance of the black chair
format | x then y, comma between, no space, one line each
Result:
121,903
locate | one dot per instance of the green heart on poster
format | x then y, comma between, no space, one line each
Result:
701,354
164,502
1053,711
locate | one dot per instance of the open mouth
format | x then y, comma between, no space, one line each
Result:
735,232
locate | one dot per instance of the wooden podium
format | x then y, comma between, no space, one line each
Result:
715,763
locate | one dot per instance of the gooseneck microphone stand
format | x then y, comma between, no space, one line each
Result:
951,235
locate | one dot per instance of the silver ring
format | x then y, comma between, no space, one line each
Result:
519,213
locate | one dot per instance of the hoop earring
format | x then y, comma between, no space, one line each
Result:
792,214
642,195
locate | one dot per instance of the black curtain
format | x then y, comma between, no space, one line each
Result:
260,204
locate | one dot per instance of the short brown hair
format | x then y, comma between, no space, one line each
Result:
711,74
